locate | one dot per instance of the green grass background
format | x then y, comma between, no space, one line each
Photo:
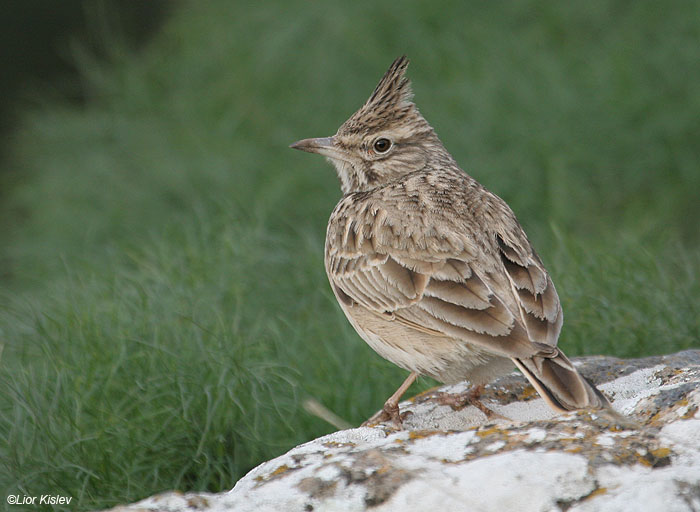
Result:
163,305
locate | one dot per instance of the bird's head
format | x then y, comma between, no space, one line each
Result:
385,139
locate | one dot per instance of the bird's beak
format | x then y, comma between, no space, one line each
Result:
323,146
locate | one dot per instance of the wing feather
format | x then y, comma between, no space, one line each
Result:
442,275
471,293
537,299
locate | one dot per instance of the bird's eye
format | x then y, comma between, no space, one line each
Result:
382,145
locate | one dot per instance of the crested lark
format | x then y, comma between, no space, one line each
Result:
431,269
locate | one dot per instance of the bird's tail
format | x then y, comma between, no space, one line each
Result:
556,379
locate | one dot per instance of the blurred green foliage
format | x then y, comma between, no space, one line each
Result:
165,309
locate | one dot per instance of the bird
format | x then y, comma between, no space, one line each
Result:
433,270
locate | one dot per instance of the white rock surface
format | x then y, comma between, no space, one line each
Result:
458,460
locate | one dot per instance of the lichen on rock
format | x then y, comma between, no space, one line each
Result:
459,460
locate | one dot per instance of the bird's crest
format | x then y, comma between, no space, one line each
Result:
394,89
390,102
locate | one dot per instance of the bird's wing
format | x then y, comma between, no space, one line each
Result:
537,299
440,274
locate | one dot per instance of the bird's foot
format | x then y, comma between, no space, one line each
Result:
470,397
388,413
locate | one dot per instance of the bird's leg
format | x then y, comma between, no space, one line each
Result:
469,397
390,411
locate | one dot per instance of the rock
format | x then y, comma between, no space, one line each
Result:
459,460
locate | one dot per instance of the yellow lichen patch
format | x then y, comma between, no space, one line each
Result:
487,432
655,458
421,434
660,453
280,470
644,461
690,409
690,413
656,418
528,392
682,409
336,444
598,492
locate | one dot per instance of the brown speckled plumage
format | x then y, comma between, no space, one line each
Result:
433,270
